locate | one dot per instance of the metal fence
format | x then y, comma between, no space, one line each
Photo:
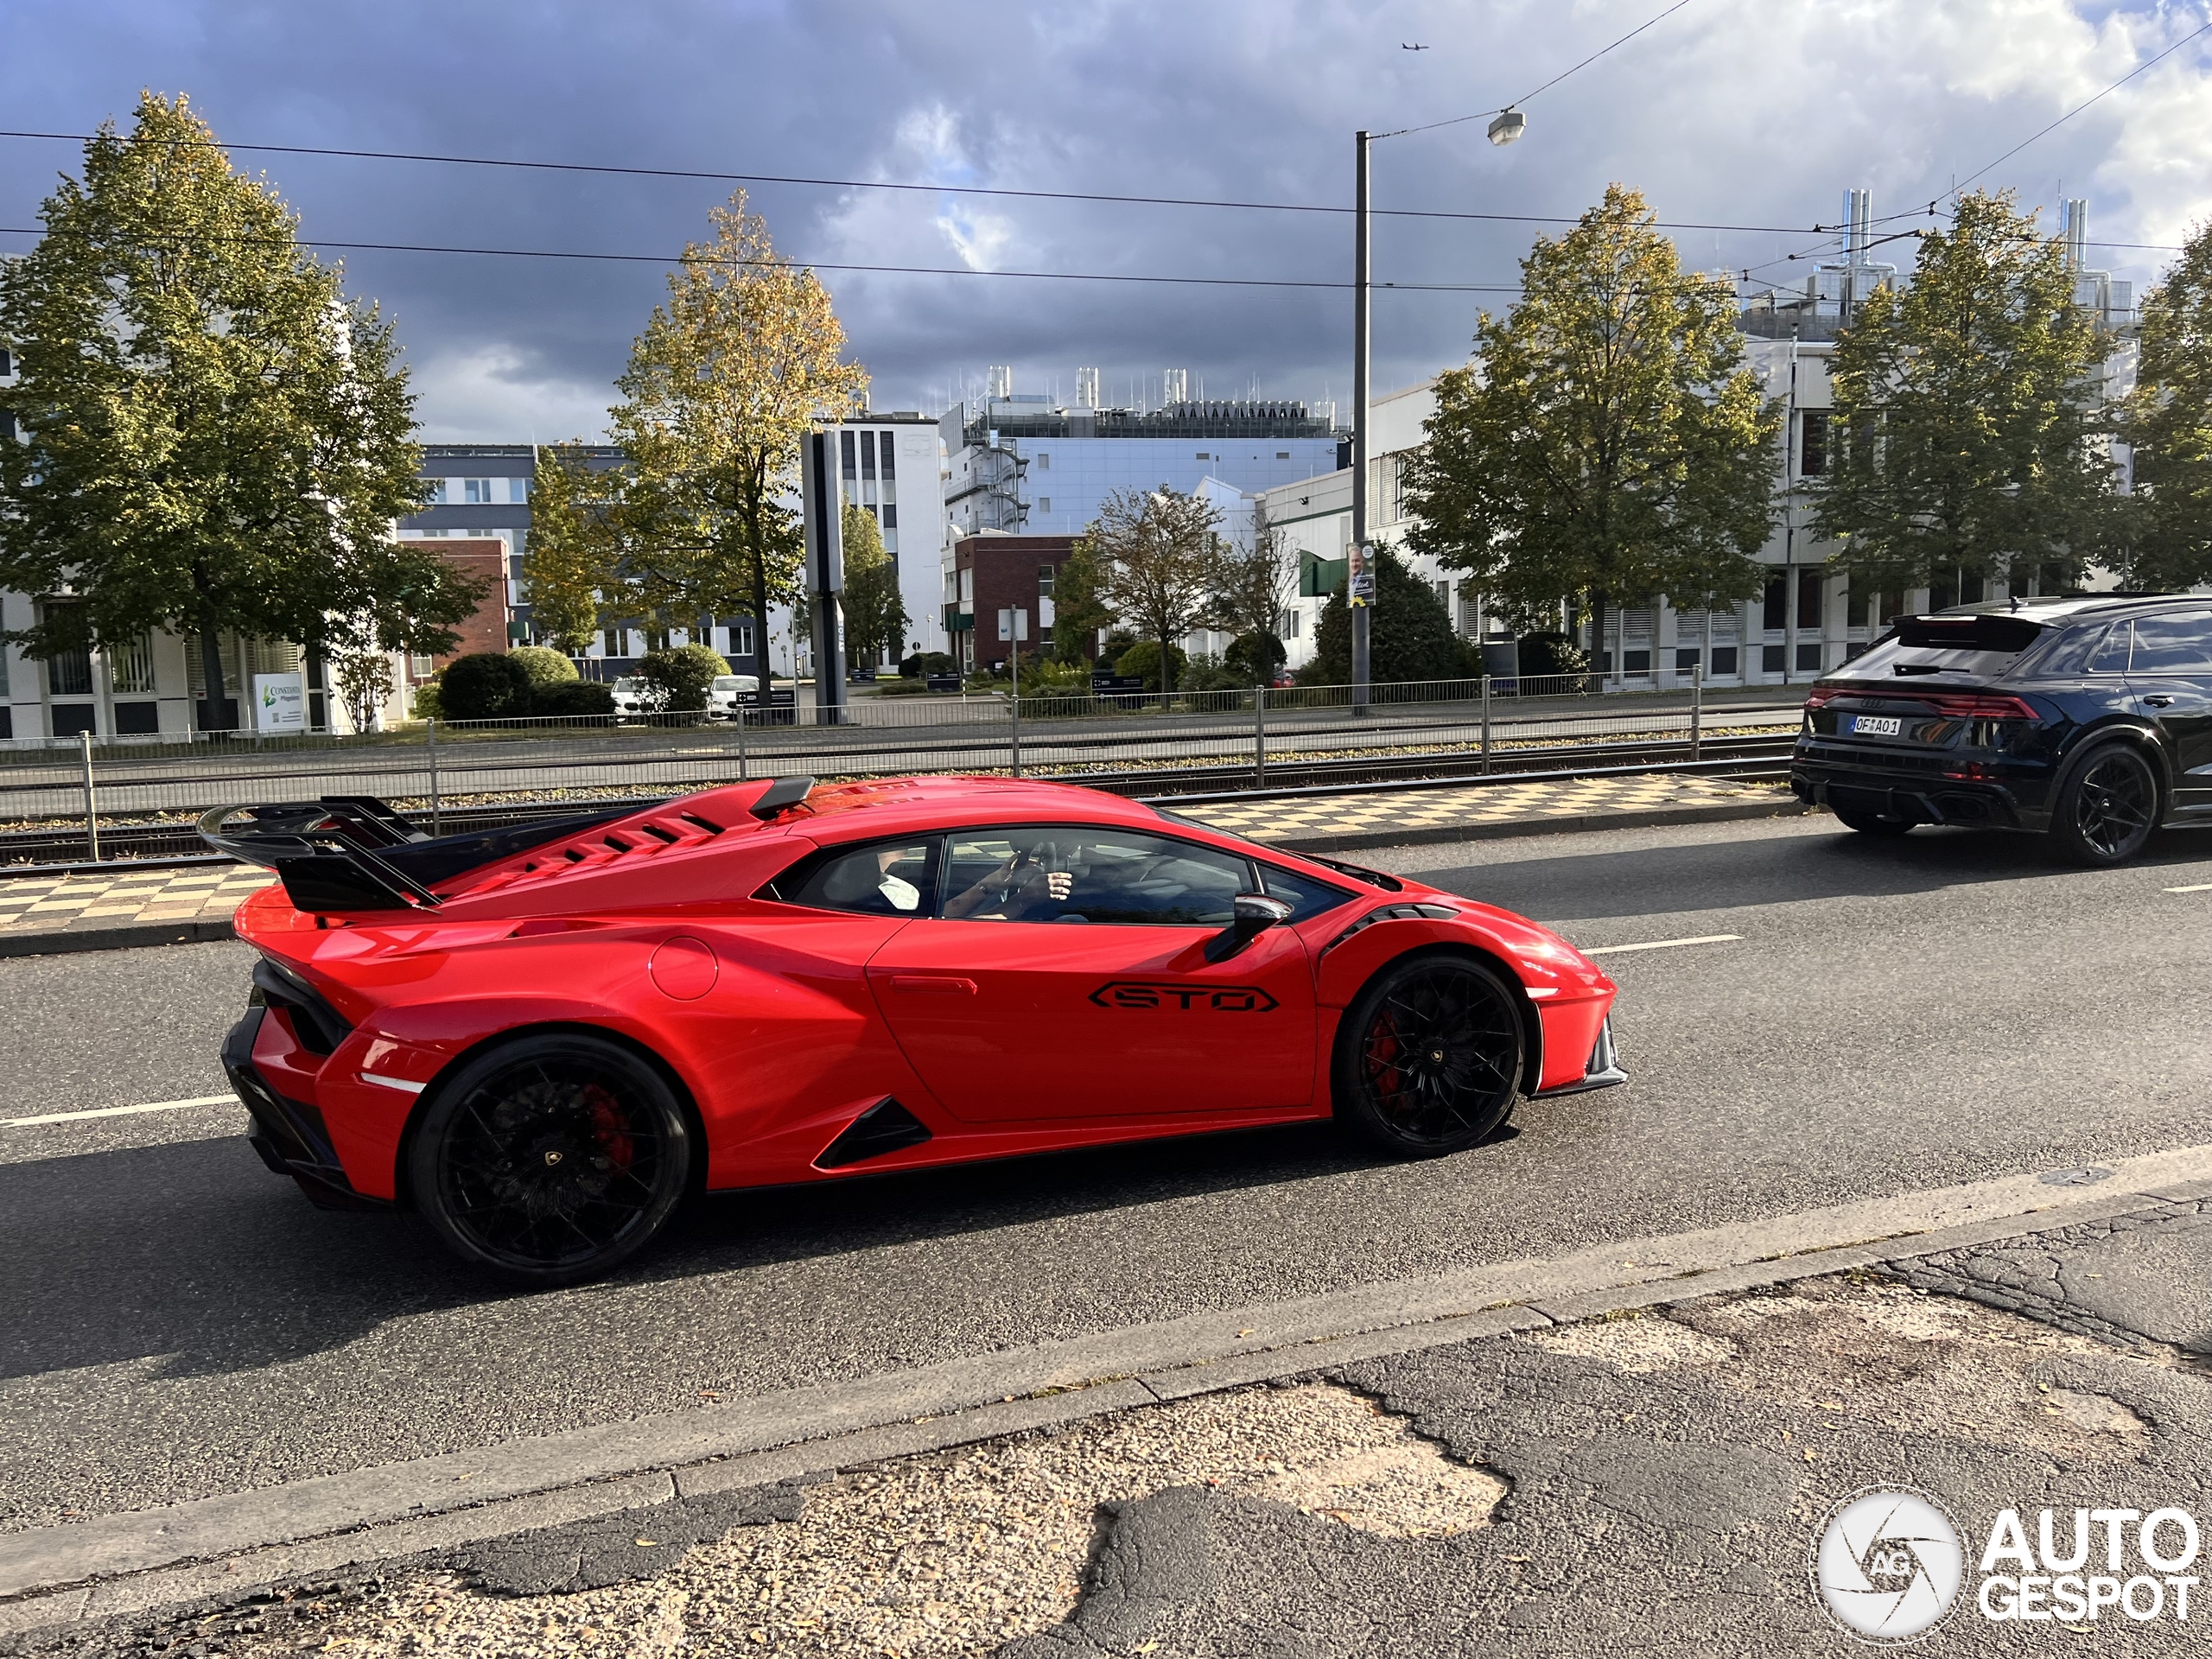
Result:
1189,740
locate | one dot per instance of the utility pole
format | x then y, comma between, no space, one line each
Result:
1356,570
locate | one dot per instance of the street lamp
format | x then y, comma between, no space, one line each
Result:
1359,584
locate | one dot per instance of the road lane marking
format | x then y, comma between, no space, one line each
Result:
1664,945
117,1111
2202,887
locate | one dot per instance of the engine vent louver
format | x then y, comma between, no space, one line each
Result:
886,1126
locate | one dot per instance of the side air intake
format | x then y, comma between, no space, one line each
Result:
886,1126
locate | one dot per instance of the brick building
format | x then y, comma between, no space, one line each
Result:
486,559
995,572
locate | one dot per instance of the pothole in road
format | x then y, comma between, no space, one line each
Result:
960,1551
1637,1346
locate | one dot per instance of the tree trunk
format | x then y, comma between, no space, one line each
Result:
214,711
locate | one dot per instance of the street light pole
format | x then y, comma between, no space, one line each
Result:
1356,562
1359,590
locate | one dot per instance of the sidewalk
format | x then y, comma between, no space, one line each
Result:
1638,1470
49,915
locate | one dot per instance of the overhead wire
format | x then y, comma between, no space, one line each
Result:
1458,119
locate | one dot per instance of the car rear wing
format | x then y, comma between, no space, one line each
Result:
348,853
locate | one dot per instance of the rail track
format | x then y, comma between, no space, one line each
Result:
177,842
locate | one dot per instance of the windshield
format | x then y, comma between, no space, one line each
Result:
627,683
1975,646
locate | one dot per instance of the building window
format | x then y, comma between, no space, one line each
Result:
1810,586
476,491
418,668
7,363
8,425
130,666
436,488
1045,574
1776,608
1686,660
1809,657
890,465
845,455
890,515
1724,659
1635,662
1813,443
518,489
1283,454
1044,460
69,673
867,456
1043,504
1855,608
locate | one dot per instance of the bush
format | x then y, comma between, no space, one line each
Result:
677,679
1206,673
1253,657
488,685
574,696
909,688
924,663
545,665
1141,661
1543,654
426,704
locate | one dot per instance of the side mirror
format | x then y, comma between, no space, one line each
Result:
1253,914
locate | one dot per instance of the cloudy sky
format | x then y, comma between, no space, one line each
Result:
1753,113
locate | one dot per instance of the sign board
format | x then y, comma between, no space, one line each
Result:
280,703
1014,623
1361,589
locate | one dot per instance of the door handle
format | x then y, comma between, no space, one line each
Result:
2157,702
937,984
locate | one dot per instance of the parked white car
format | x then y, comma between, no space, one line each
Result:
629,698
722,695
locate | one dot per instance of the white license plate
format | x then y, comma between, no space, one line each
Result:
1876,725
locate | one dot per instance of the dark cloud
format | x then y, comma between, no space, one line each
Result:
1734,111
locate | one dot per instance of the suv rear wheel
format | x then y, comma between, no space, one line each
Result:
1869,823
2105,805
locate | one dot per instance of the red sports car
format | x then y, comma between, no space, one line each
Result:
544,1037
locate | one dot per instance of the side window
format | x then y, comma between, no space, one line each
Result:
2179,642
1078,875
2111,657
1304,894
884,878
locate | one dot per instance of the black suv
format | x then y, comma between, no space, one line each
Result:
2089,717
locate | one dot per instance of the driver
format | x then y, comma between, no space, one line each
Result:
1021,889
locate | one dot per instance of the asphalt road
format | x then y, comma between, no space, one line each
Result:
174,1322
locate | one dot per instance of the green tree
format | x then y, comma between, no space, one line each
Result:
215,439
2169,422
575,553
732,370
1607,441
1409,633
875,615
678,678
1970,420
1077,615
1155,552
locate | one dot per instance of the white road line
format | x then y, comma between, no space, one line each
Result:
2202,887
1664,945
117,1111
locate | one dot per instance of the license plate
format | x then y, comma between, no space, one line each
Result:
1876,725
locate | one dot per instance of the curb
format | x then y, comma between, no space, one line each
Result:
138,1561
127,937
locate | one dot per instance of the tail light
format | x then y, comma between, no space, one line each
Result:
1957,705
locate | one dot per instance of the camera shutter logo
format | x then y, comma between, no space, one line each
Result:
1887,1565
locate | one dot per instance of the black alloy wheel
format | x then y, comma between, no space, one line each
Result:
551,1159
1428,1059
2107,805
